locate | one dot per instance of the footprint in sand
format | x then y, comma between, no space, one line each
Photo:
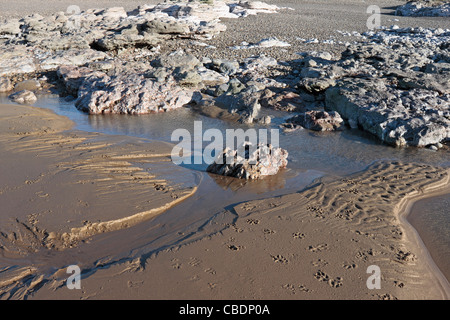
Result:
212,285
234,247
82,203
210,271
386,296
237,229
397,233
294,289
195,277
335,283
367,254
318,211
318,248
303,288
284,218
404,257
159,187
298,235
289,287
279,259
194,262
252,221
319,263
132,284
248,207
176,264
322,276
41,194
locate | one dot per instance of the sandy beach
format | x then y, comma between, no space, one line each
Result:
314,244
282,248
67,194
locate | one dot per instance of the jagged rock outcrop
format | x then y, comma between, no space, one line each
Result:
424,8
246,162
396,85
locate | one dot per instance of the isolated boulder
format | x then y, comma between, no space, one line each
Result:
248,163
5,84
23,97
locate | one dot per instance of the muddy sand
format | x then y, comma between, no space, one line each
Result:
61,187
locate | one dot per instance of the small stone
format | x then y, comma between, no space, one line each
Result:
30,85
221,89
177,59
235,86
211,77
23,97
284,100
5,84
160,74
319,120
130,94
265,120
189,78
166,27
11,27
229,67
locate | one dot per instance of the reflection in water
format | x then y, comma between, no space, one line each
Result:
269,183
339,153
286,180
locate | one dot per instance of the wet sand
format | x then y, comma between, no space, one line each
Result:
315,244
61,189
430,218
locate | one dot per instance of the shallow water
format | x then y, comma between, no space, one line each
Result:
338,153
431,217
311,155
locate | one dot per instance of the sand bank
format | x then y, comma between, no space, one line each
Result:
59,187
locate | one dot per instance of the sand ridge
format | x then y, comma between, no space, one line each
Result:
59,187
